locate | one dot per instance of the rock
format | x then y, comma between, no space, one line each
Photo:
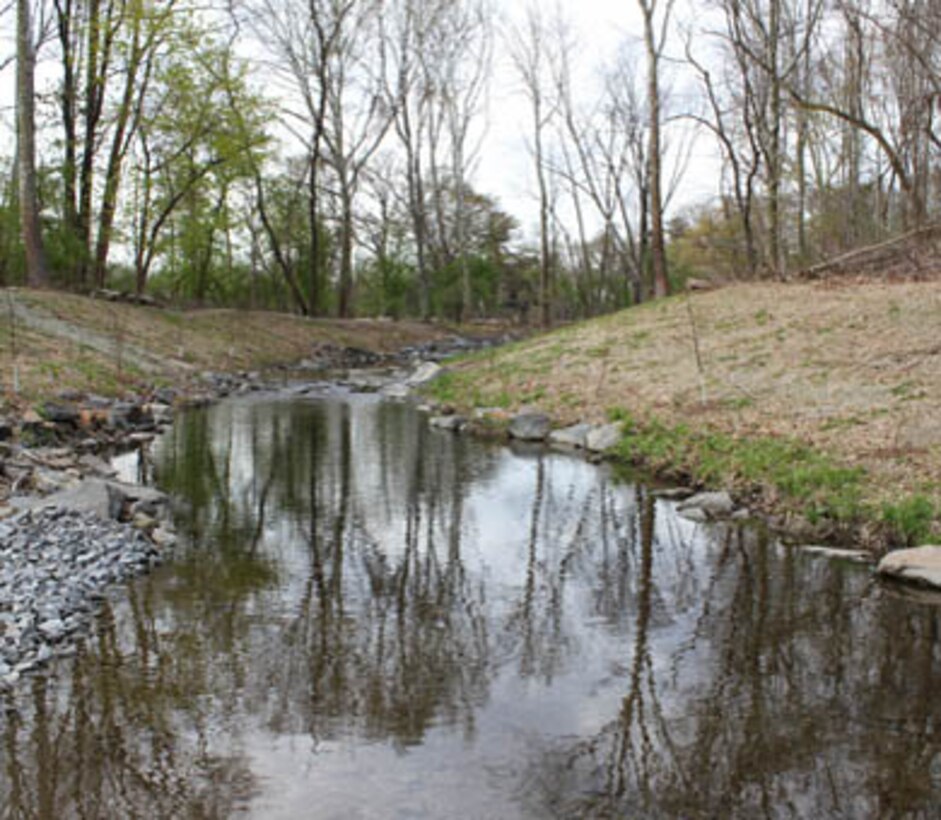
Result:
30,419
95,466
530,427
452,423
163,537
574,436
396,390
161,413
51,481
70,396
602,439
53,629
424,373
67,414
55,566
34,430
124,415
6,429
108,499
166,396
145,523
919,565
713,504
91,496
141,499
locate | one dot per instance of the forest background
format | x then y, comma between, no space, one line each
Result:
337,157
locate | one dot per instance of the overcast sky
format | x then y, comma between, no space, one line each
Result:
600,28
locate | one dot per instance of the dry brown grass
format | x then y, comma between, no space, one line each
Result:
854,371
64,341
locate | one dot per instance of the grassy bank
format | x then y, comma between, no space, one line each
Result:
818,400
50,342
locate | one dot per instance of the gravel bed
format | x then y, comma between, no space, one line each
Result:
55,568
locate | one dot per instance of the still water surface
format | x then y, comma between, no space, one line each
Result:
378,620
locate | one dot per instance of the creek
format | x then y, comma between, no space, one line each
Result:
375,619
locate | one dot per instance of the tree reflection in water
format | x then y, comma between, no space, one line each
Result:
548,641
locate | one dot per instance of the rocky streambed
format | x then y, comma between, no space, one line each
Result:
56,565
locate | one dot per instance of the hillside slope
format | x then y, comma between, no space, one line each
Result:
52,341
853,371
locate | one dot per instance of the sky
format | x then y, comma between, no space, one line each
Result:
600,28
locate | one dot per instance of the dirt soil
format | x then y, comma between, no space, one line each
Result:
853,369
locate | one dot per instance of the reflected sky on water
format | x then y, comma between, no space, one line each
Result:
375,619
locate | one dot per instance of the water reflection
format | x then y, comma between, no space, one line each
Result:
380,620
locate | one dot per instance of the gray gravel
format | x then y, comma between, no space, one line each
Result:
55,568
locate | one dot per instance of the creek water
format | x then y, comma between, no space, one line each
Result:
374,619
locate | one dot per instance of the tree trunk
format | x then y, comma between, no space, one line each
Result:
346,251
658,257
37,273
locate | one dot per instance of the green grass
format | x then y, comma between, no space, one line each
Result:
910,520
800,477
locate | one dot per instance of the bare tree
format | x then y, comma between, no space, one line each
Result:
655,34
357,119
37,273
529,46
466,75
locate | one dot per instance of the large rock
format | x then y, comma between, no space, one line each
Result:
601,439
113,500
920,565
713,505
530,427
574,436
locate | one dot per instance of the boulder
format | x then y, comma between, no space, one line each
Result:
574,436
90,496
714,505
108,499
530,427
603,438
919,565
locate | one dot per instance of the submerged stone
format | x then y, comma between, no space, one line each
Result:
919,565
